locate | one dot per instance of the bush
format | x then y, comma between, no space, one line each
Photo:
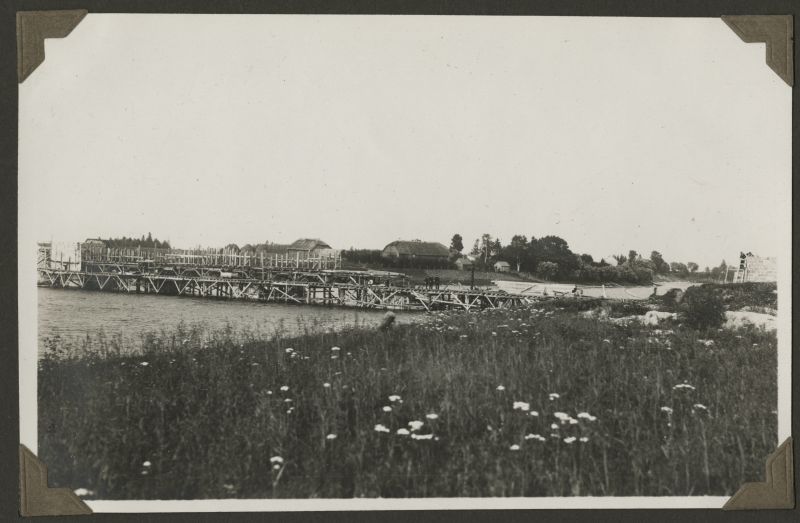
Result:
702,307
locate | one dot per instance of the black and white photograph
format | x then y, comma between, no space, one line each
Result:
395,262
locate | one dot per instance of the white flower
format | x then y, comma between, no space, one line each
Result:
380,428
144,364
276,459
606,341
422,436
394,397
83,492
666,409
500,388
403,432
432,416
683,386
513,447
521,405
699,406
330,436
584,439
537,437
285,388
554,396
326,385
387,408
289,350
146,464
554,426
569,440
276,467
335,349
415,425
563,416
573,421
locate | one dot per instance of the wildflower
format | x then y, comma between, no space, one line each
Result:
683,386
146,464
489,428
144,364
606,341
572,421
284,388
554,426
422,436
394,397
290,410
513,447
276,459
415,425
563,416
269,393
533,413
699,406
387,408
521,405
583,439
380,428
501,388
569,440
335,349
254,364
666,409
83,492
287,400
535,436
326,385
334,357
494,333
276,467
587,416
554,396
289,350
403,432
432,415
330,436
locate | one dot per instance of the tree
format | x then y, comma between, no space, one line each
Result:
661,267
679,268
516,251
486,245
232,247
546,269
620,258
457,243
587,259
633,256
692,266
476,248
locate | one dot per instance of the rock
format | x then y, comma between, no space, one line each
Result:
736,319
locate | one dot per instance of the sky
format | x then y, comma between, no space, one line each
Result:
615,134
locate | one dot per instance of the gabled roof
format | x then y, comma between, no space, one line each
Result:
502,264
308,244
419,248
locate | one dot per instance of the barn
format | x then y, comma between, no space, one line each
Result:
310,248
416,250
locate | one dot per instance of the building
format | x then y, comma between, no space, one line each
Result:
96,242
464,264
416,249
501,266
310,248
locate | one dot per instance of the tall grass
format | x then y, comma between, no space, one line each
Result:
619,410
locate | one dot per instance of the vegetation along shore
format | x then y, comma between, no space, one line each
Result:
549,399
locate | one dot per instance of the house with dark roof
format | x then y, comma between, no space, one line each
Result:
310,248
416,249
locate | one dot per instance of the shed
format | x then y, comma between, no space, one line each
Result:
501,266
310,247
464,264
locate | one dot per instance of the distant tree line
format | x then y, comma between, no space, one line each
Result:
550,258
145,242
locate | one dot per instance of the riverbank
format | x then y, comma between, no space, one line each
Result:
537,401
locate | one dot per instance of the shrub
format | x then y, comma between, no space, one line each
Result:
702,307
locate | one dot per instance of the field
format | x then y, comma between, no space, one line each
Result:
537,401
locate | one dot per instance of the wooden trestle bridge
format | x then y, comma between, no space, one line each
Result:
281,284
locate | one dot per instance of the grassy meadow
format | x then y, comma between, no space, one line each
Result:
537,401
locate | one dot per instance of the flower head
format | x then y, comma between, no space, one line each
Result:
521,405
394,397
403,432
276,459
569,440
415,425
285,388
513,447
330,436
387,408
432,415
501,388
380,428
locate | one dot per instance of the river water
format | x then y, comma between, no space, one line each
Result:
71,315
